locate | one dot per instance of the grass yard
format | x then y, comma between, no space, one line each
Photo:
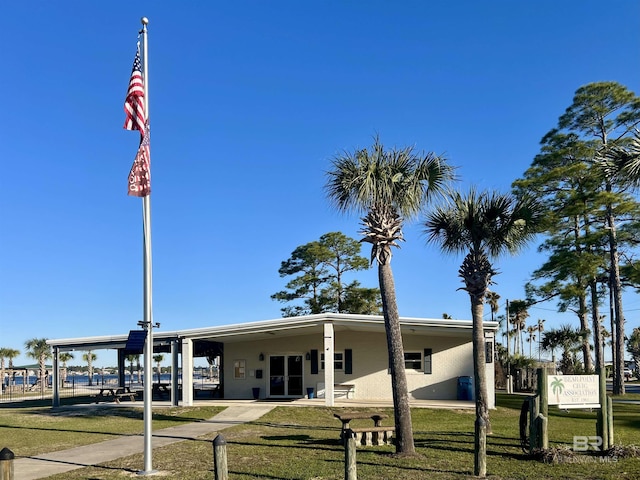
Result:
302,443
34,430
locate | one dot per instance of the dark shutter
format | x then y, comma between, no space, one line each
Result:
488,350
314,362
427,361
348,361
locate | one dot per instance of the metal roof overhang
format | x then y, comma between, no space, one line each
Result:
283,327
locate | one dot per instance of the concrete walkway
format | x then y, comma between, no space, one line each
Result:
42,466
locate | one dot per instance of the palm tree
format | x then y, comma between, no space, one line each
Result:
550,342
90,357
492,299
518,308
540,330
3,355
531,337
158,359
64,358
486,225
11,353
132,358
388,187
38,349
570,339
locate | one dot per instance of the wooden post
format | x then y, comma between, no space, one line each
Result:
543,395
350,468
542,432
480,450
220,458
6,464
610,420
602,424
534,434
543,392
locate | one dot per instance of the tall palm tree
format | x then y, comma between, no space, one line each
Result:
64,358
531,337
540,330
89,357
492,299
3,355
38,349
570,339
550,342
131,358
485,225
388,187
519,310
10,354
158,359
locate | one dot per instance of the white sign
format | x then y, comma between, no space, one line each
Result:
574,391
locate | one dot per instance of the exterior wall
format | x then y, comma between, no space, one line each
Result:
451,358
250,352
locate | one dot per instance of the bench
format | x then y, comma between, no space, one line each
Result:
115,394
347,390
381,435
373,435
344,389
118,396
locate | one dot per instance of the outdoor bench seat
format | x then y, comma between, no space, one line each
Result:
373,435
118,396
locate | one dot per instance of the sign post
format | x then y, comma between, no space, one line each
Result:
584,391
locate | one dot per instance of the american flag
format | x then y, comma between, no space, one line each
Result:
140,174
134,103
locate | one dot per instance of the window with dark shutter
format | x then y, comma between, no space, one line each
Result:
427,361
314,362
348,361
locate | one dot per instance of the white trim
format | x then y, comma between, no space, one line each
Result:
329,374
187,372
269,327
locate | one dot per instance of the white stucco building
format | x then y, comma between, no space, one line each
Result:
324,356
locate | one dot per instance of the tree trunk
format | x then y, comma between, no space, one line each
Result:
597,327
616,288
480,383
401,410
42,361
584,326
479,362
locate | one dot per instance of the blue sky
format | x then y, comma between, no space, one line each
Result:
249,101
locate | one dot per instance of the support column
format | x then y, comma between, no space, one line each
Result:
175,351
329,374
121,368
56,377
187,372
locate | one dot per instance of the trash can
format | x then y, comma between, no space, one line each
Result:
465,388
309,392
256,393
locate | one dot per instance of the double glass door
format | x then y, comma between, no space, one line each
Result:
285,375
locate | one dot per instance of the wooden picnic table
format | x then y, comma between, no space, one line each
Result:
162,389
115,393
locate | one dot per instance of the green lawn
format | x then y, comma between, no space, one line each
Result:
33,430
302,443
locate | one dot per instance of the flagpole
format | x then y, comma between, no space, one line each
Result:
147,297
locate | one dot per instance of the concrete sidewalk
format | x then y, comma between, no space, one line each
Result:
42,466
